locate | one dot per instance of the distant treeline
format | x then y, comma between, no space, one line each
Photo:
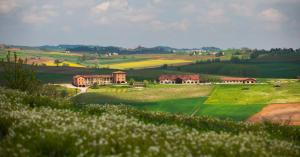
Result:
112,49
275,52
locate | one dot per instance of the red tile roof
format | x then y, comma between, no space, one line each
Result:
182,77
237,79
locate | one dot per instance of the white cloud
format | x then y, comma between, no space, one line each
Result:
189,8
39,15
7,6
214,16
119,11
103,7
111,5
140,17
243,9
272,19
162,26
66,29
272,15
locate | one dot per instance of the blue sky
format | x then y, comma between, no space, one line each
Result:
129,23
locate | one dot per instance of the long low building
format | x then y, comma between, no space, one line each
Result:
179,79
238,80
117,77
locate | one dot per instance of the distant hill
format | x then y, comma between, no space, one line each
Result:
112,49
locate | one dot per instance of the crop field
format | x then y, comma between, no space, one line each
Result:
146,64
255,94
149,94
68,63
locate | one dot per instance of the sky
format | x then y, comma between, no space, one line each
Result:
130,23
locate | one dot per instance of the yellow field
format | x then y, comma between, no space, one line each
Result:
145,64
64,54
70,64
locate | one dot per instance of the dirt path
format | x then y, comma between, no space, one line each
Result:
82,89
279,113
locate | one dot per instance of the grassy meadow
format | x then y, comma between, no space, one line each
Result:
237,102
255,94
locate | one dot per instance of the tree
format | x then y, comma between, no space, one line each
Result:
65,65
165,66
146,83
18,75
95,86
235,59
131,81
57,62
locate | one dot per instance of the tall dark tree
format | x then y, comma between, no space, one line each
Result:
18,75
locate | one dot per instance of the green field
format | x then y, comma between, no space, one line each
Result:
255,94
236,102
288,69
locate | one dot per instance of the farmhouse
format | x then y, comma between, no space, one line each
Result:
117,77
237,80
179,79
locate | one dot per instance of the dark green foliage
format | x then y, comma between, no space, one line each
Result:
95,86
165,66
246,69
64,93
57,62
146,83
208,78
131,81
38,101
17,75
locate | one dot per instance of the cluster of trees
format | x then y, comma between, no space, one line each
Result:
21,76
145,82
114,49
275,52
18,75
214,60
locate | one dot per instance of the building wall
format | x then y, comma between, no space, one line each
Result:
79,81
98,80
83,81
240,82
119,78
183,82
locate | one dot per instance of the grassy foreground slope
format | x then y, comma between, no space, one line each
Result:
94,130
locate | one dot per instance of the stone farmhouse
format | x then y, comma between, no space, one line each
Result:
118,77
179,79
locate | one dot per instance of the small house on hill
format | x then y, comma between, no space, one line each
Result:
179,79
238,80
